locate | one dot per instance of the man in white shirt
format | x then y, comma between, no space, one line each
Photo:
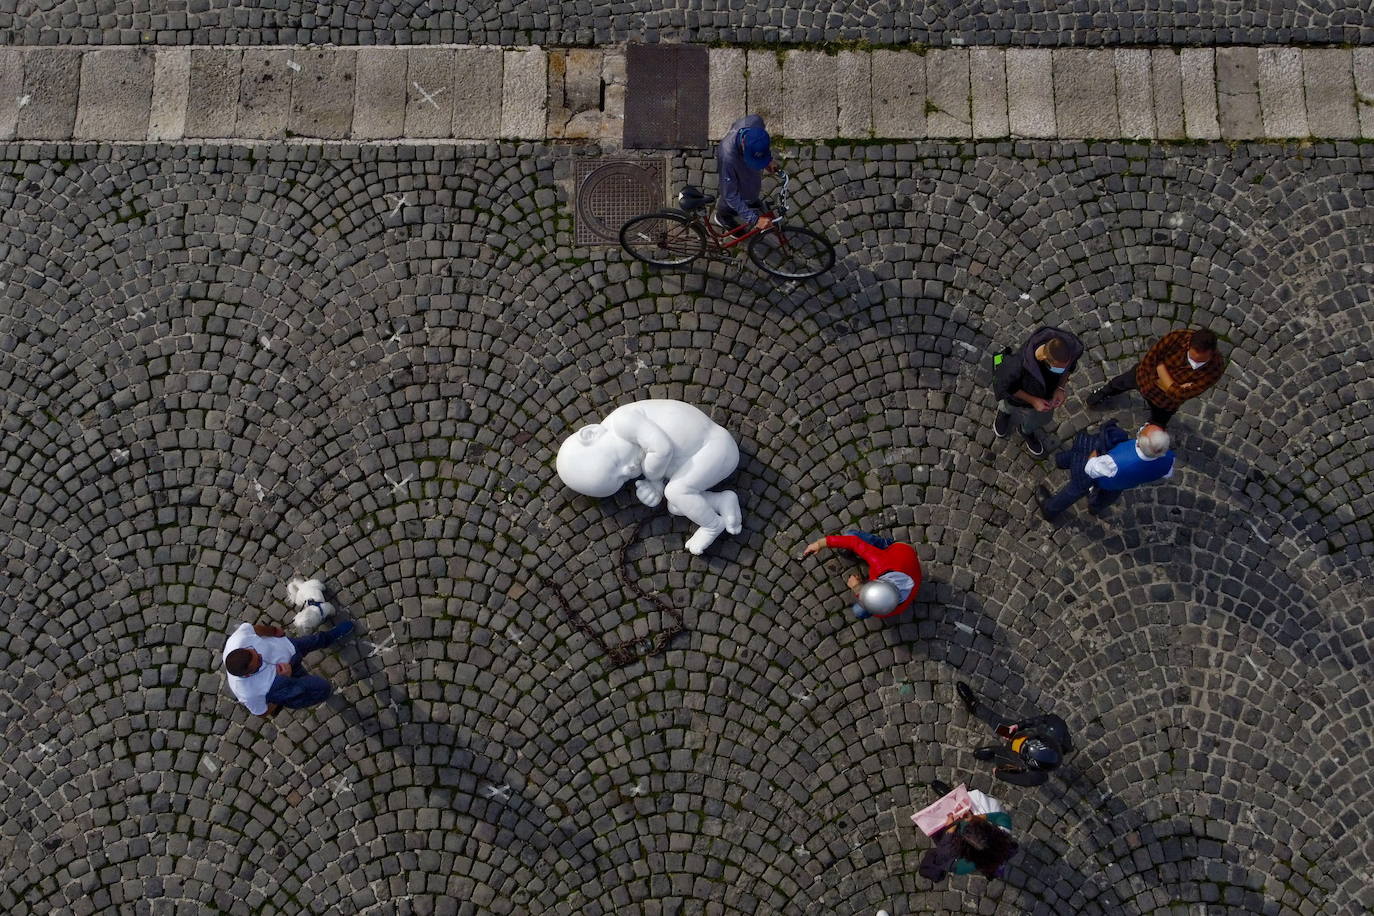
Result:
1123,464
265,670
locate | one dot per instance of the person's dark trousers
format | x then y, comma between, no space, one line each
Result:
304,689
1069,494
1159,416
727,217
873,540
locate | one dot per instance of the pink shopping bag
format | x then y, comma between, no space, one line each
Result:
937,816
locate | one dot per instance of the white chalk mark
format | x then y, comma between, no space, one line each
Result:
119,456
1255,528
24,100
396,335
427,96
137,313
294,66
401,486
258,489
969,347
966,628
266,342
400,200
517,637
210,765
799,850
500,793
801,695
637,790
1025,297
339,786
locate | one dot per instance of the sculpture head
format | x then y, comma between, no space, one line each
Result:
594,461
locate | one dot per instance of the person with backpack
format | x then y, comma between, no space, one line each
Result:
1032,382
1032,747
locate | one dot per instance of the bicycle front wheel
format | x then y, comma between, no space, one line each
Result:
663,239
792,252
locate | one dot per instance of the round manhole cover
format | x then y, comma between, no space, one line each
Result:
613,192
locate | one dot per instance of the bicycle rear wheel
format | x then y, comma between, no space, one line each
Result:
663,239
792,252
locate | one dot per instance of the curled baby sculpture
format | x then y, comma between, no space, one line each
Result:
676,450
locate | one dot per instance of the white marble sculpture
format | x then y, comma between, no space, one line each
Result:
677,450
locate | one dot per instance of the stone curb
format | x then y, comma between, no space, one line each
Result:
435,93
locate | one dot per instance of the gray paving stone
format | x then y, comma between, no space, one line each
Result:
948,111
1166,73
1282,105
1135,98
1329,90
429,93
47,103
763,79
727,88
11,89
524,96
477,94
116,94
1238,105
379,109
264,93
810,98
171,88
322,94
1197,67
988,76
854,89
899,94
212,98
1085,94
1363,65
1030,93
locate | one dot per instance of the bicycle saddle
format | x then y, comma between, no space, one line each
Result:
691,198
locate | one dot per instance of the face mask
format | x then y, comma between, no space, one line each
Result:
1196,365
1060,370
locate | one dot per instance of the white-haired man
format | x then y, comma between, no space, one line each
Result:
1104,464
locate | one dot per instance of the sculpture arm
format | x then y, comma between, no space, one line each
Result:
658,448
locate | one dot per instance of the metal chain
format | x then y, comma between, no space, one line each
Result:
624,654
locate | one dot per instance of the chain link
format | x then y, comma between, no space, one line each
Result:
624,654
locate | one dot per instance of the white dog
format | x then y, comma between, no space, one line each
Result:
308,596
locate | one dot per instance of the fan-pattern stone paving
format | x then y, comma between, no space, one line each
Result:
224,366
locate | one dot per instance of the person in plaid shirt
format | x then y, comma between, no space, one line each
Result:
1181,365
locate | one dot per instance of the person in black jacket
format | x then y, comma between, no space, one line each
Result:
1030,384
1033,747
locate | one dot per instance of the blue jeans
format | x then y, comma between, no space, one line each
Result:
1079,485
873,540
303,689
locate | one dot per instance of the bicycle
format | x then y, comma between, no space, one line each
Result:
674,237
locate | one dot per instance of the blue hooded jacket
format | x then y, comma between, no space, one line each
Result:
739,183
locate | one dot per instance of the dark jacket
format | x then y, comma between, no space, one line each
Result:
1023,372
1047,728
740,185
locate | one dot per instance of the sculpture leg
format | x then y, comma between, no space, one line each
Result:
726,504
687,494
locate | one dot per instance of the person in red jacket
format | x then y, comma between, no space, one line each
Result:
894,572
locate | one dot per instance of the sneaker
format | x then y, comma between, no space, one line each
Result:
1098,398
984,753
1042,499
1033,443
1002,425
940,787
339,631
967,697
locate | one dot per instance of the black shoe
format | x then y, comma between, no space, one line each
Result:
1033,443
1042,498
940,788
984,753
1098,398
967,697
1002,425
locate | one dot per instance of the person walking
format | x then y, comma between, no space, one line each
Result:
1104,464
978,838
1031,748
1180,366
742,157
1031,383
266,671
894,572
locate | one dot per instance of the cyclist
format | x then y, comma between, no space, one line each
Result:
741,159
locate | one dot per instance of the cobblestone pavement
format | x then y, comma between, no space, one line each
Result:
223,366
508,22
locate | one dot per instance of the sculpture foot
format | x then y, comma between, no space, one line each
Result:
697,543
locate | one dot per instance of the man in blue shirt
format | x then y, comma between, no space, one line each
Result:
741,159
1107,463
